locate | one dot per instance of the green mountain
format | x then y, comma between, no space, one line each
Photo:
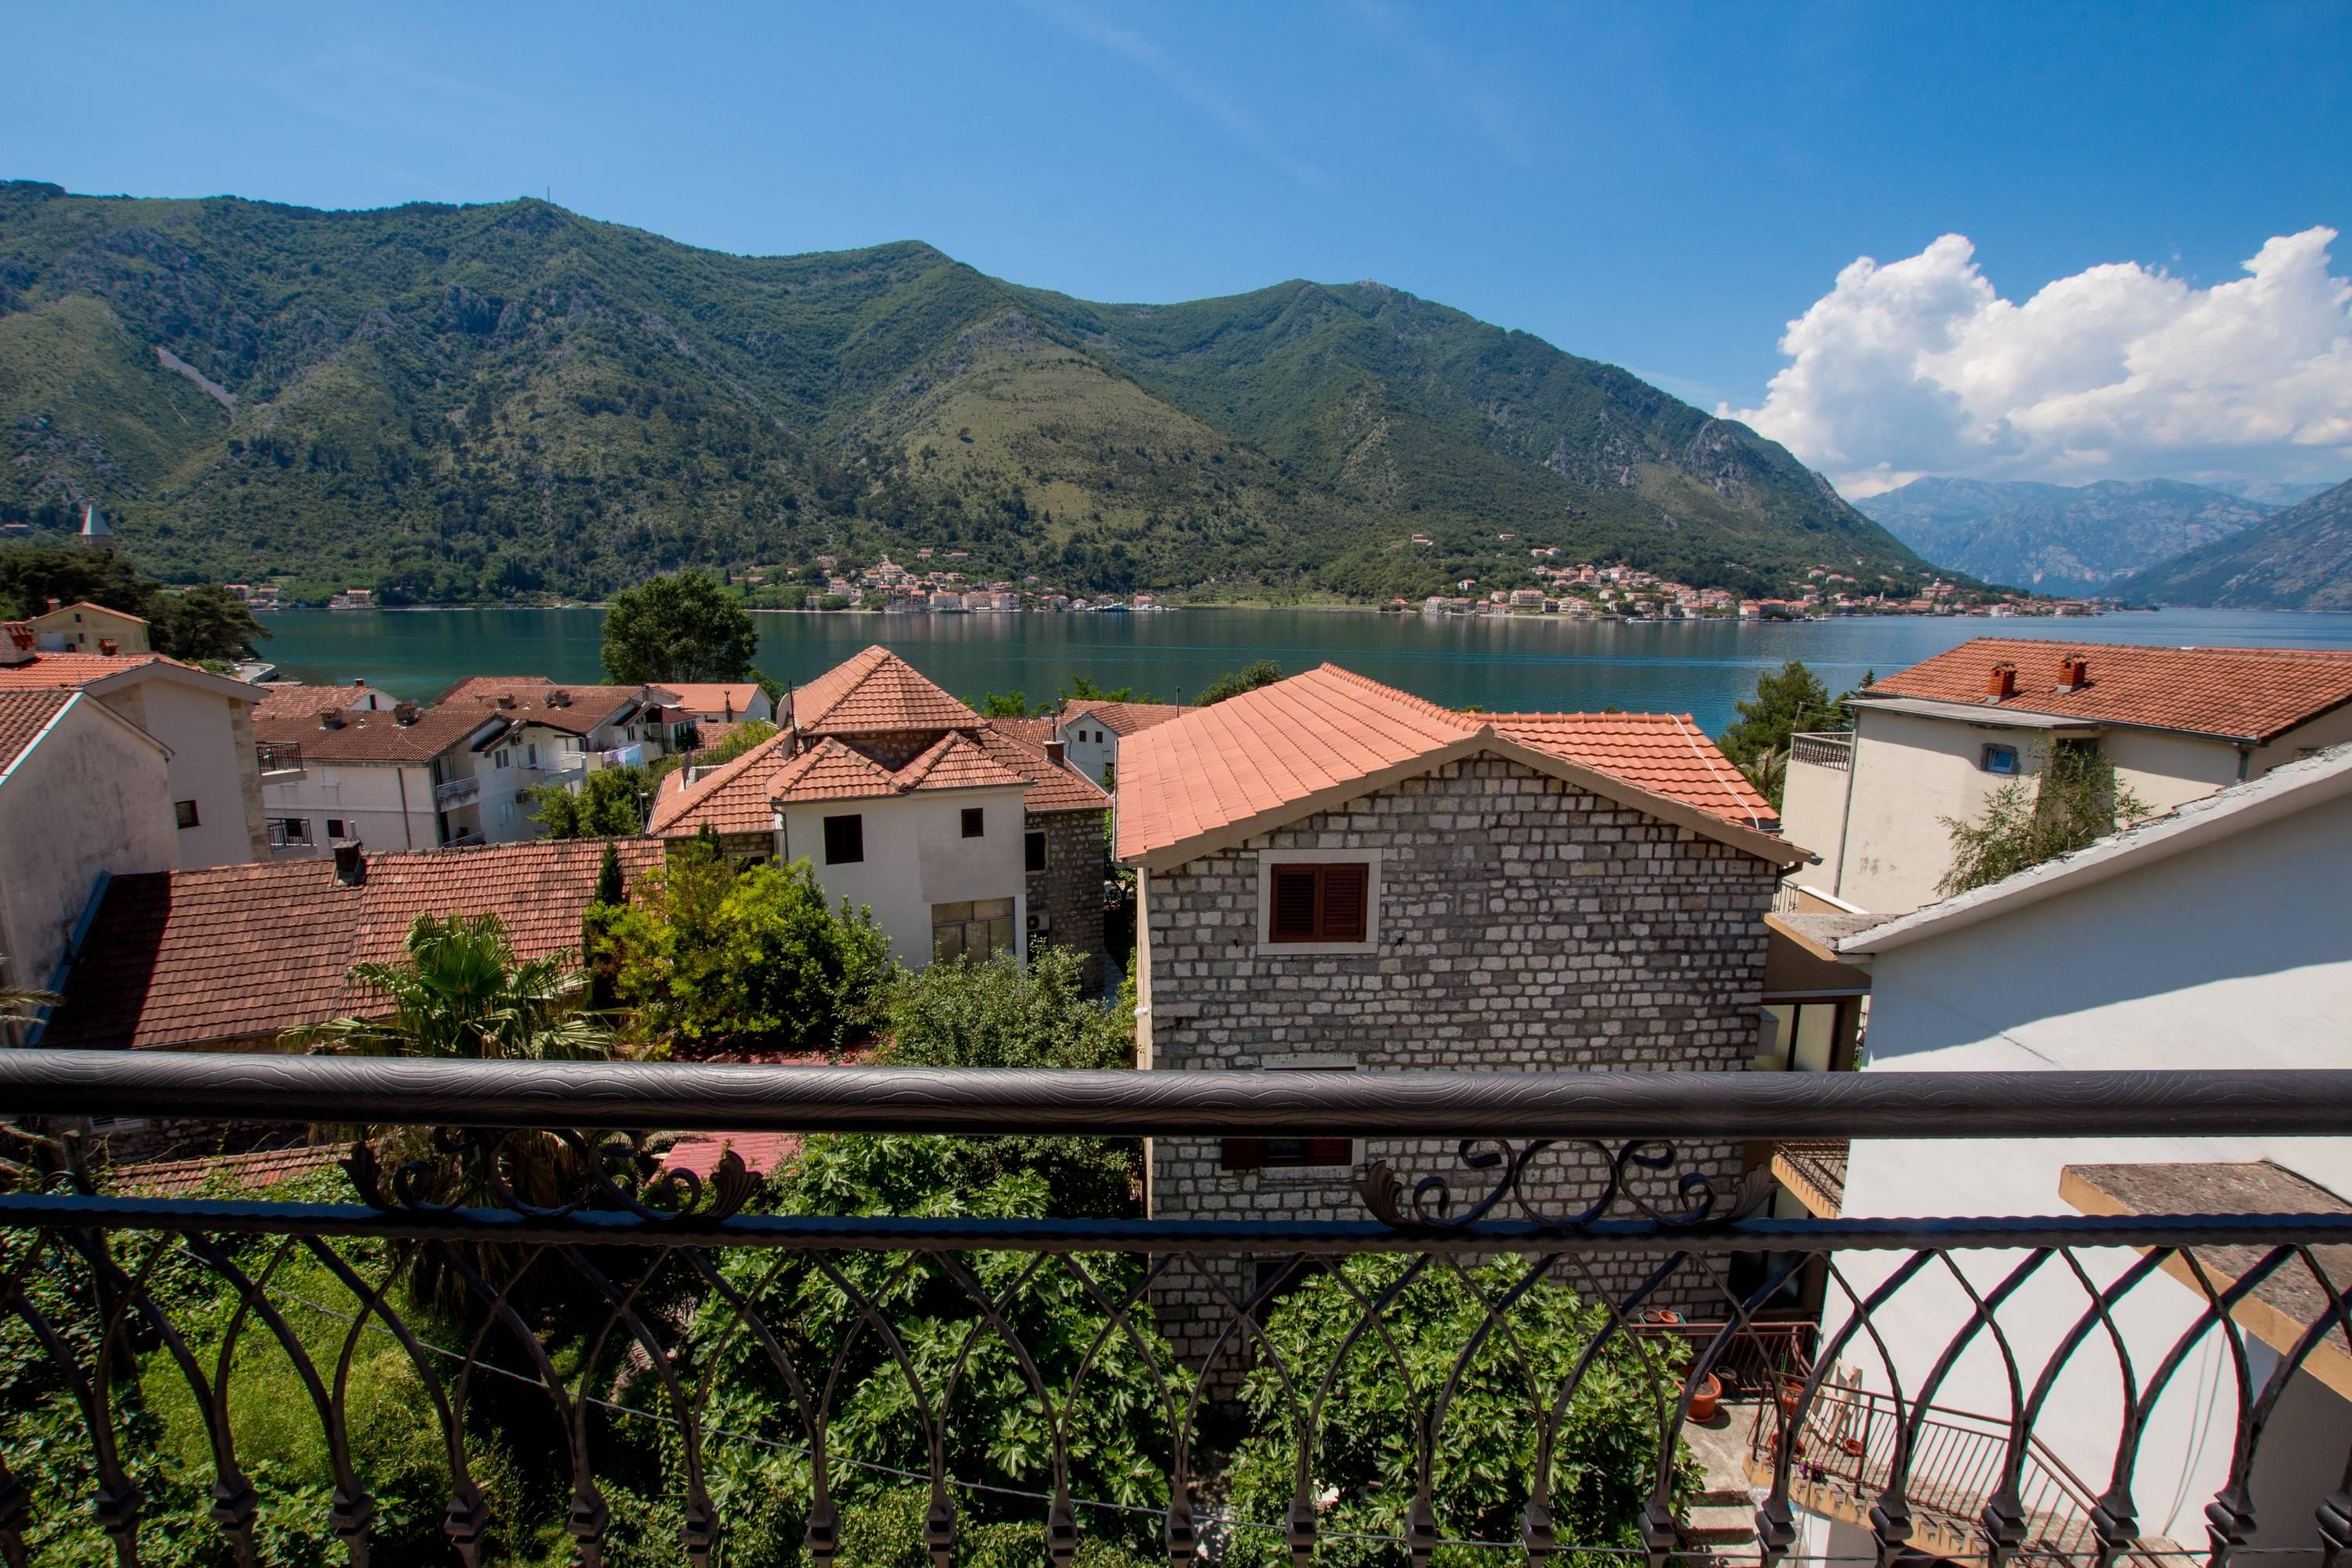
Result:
2299,558
2058,539
485,402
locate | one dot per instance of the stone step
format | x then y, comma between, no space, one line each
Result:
1721,1524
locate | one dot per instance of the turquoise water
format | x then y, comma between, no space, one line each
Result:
1502,664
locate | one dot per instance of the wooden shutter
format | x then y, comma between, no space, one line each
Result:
1343,904
1294,903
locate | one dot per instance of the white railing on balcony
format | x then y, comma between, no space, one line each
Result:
456,791
1830,749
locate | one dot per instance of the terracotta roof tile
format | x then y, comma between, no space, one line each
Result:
732,797
186,958
535,700
1269,750
831,771
708,696
53,669
93,604
1124,719
292,700
1665,753
1053,786
759,1152
957,762
254,1172
1033,732
872,693
24,715
2240,693
376,735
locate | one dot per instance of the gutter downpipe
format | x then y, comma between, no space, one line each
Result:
1845,813
400,776
74,938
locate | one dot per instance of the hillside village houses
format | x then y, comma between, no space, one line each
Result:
85,627
1937,740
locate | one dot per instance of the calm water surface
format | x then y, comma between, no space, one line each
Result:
1500,663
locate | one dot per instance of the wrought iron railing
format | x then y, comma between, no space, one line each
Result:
1813,1171
279,756
1411,1379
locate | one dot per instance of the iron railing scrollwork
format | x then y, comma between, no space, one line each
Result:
1433,1376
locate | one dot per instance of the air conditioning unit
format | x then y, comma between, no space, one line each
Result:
1040,922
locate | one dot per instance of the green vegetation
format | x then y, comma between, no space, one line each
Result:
508,401
1082,689
2071,803
204,622
708,961
1233,682
1789,701
609,803
461,992
685,626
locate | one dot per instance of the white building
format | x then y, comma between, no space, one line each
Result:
1093,731
205,722
1937,740
85,627
2218,935
713,701
84,795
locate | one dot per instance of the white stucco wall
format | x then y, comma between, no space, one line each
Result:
1812,813
208,765
2167,770
1909,773
367,797
917,856
90,796
1094,758
2234,953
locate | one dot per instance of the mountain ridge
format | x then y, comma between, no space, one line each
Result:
491,401
2297,558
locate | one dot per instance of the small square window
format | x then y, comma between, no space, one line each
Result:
1033,849
336,828
974,824
845,840
1319,902
1997,760
183,812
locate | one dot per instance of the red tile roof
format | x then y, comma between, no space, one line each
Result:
957,762
709,695
91,604
186,958
292,700
535,700
877,692
1123,719
376,734
1053,786
759,1152
1665,753
1265,757
23,716
831,771
254,1172
2239,693
732,797
1034,731
50,670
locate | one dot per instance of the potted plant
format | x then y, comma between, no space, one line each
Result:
1705,1400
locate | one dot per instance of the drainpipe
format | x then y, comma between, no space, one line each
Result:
407,838
1845,813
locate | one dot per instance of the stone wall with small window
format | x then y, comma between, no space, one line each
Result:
1067,888
1514,924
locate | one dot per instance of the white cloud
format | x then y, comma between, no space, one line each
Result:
2118,371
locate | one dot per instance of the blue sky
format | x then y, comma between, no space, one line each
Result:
1661,186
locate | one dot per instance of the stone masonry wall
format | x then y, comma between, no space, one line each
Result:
1070,889
1522,924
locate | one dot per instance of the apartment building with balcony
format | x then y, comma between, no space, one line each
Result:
1938,740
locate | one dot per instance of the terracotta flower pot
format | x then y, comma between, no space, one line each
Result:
1854,1448
1705,1402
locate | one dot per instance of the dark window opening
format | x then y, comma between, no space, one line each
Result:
1287,1154
845,840
183,812
1997,760
335,828
1320,903
1033,849
974,822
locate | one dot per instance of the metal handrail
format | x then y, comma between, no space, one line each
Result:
982,1102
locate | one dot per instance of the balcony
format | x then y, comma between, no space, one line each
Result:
280,760
682,1360
1814,1171
456,791
1833,749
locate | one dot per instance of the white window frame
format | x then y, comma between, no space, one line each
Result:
1267,860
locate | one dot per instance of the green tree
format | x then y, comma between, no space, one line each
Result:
1790,700
608,804
708,961
1233,682
1367,1453
31,576
1003,705
207,623
461,992
687,627
1082,689
2074,801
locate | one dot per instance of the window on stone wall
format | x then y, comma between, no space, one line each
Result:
1288,1153
1033,851
977,929
1319,902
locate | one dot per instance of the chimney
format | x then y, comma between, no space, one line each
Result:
330,719
19,644
403,714
559,698
2002,683
351,865
505,699
55,605
108,647
1054,749
2074,672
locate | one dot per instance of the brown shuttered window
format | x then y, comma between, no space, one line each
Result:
1320,903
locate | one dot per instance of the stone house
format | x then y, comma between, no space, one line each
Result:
964,835
1337,876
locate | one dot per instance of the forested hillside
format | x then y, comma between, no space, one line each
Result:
493,402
